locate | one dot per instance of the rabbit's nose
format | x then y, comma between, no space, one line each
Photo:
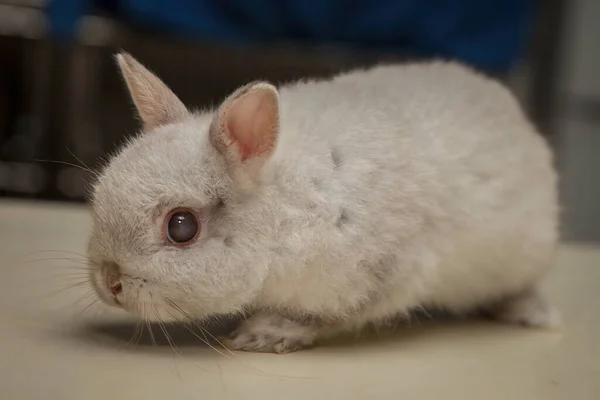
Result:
116,288
113,278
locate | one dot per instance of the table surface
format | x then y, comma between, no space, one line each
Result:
52,346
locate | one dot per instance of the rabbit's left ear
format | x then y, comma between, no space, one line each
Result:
247,123
155,102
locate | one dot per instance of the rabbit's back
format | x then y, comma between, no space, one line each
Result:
432,165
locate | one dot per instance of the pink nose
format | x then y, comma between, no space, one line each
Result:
113,277
116,288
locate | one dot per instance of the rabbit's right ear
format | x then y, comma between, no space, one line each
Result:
155,102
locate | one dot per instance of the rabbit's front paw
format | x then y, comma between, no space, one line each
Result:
271,334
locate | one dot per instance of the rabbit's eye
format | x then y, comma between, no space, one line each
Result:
181,227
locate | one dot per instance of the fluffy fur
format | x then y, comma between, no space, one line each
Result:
382,191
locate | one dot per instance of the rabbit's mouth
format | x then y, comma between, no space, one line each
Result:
130,293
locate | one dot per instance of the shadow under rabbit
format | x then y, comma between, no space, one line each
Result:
153,337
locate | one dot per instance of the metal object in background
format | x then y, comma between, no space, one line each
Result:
23,88
546,51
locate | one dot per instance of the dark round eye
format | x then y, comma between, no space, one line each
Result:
181,227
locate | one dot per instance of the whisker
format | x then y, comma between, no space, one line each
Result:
65,272
71,259
83,297
80,284
186,326
139,327
148,326
81,162
71,286
56,251
91,302
183,323
79,265
71,270
67,279
163,328
83,274
186,323
161,324
218,341
152,338
137,334
62,269
190,321
66,163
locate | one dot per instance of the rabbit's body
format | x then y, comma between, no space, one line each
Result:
418,185
385,191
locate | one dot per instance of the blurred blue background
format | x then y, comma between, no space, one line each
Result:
489,34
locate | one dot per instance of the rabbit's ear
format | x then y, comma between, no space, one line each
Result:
155,102
247,124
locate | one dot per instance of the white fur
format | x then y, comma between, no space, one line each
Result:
389,189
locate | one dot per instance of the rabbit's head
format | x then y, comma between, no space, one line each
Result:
177,231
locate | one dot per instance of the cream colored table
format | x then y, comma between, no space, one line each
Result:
51,348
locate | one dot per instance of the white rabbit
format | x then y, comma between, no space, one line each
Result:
323,206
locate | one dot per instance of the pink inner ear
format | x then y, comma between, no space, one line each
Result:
252,122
